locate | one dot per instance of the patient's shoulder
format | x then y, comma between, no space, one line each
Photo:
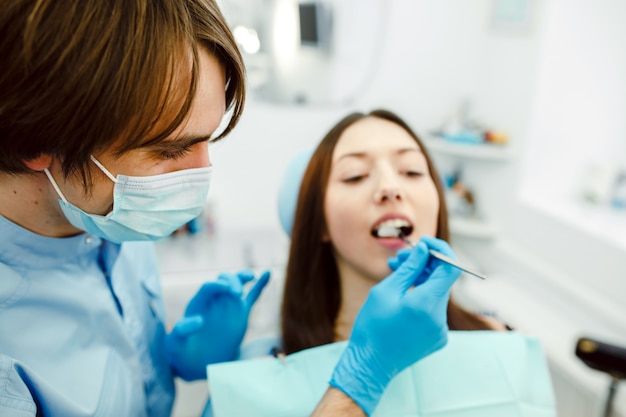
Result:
260,347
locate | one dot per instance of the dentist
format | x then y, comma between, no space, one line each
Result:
106,112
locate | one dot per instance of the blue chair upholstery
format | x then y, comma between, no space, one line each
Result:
290,187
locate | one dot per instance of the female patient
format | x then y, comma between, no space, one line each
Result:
369,171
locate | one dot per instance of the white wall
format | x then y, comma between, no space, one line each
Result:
578,118
436,53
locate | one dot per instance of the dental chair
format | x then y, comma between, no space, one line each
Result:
503,373
607,358
289,188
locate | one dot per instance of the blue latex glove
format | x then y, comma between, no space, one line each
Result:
401,256
214,324
398,325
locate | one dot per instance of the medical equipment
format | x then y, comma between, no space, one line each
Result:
607,358
400,232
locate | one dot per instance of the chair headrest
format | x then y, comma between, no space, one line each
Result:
290,187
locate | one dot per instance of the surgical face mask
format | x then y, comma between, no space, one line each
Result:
144,208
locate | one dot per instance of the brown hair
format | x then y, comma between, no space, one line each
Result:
312,294
80,76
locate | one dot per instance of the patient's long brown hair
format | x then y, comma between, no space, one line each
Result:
312,295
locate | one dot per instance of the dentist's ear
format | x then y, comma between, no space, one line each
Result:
39,163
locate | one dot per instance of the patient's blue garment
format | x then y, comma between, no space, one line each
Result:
81,328
254,349
477,374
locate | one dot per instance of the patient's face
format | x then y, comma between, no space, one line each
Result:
379,176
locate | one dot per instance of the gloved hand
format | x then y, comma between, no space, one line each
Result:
214,324
398,325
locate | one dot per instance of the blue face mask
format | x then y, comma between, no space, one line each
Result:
144,208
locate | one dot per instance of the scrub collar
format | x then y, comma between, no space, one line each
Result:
22,248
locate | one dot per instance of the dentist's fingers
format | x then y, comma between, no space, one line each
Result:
256,290
206,296
187,326
439,282
233,281
439,245
433,243
409,273
245,276
436,265
396,261
210,289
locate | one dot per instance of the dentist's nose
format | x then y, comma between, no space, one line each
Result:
199,156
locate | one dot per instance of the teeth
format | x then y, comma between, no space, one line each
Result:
387,231
397,223
392,228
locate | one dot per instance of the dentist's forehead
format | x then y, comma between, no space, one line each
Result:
373,136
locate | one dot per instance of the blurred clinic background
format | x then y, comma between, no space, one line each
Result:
522,104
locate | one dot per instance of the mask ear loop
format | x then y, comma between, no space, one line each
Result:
103,169
54,184
95,161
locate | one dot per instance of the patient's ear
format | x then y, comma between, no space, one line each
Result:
40,163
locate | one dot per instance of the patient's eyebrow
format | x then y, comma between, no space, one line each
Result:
362,155
359,155
406,150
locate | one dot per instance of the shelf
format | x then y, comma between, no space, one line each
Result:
472,228
486,152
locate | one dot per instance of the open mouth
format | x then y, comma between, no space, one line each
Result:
392,229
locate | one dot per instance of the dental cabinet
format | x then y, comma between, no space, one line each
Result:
449,156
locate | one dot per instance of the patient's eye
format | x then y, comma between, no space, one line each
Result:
353,179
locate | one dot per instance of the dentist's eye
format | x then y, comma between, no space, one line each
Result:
174,153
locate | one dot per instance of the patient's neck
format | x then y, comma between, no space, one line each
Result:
354,290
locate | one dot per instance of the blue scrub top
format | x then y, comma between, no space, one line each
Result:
81,327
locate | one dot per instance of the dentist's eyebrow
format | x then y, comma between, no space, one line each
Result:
184,141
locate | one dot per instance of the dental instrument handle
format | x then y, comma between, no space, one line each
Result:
447,260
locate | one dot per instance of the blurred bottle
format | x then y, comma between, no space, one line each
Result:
618,195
